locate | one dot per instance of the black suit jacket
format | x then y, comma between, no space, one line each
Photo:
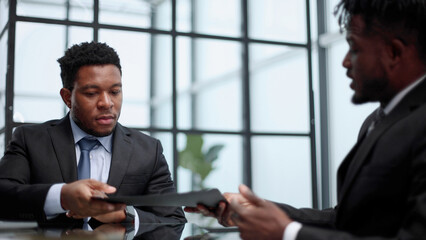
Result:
381,183
40,155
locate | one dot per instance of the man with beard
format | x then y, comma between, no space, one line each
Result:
382,180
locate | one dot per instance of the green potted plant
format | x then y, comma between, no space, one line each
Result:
200,163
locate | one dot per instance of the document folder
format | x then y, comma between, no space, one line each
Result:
209,198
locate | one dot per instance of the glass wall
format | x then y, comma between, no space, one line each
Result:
228,89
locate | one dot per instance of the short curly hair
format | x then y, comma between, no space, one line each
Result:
403,19
84,54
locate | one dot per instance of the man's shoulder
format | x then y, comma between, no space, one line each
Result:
136,134
416,117
40,126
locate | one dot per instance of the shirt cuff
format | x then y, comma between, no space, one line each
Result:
52,205
136,221
291,231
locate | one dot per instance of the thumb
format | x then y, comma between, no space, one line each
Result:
103,187
249,195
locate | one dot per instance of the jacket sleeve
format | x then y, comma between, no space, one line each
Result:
19,198
308,216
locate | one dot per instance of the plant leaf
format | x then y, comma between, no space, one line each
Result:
194,144
203,169
213,153
194,159
191,157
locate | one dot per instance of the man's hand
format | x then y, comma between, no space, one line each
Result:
76,197
258,219
222,212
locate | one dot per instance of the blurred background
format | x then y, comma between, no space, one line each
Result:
238,91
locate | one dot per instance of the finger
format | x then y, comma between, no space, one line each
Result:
205,211
69,214
220,210
191,210
223,214
73,215
102,187
228,196
249,195
98,194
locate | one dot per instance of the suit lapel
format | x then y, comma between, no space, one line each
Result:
344,166
360,152
121,153
63,146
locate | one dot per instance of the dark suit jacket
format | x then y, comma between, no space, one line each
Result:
381,183
40,155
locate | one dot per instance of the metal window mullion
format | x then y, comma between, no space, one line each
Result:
96,10
323,105
311,110
247,157
152,72
67,27
67,36
10,75
174,96
193,69
193,64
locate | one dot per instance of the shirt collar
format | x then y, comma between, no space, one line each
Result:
398,97
78,134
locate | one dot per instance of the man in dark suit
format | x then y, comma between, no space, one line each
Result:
39,178
382,181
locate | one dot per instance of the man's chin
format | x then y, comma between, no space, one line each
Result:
359,99
101,133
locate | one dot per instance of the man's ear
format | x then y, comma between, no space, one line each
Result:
66,96
396,51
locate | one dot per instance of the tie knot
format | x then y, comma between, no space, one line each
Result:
87,144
